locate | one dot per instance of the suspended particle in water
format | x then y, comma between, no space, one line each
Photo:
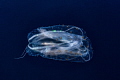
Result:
59,42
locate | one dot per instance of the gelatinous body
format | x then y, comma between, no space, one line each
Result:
60,42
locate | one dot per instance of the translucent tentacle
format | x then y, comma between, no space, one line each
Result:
22,55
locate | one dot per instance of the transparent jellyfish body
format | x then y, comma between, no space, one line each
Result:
59,42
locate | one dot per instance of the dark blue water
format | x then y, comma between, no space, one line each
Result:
99,18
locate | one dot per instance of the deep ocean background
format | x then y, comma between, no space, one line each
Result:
99,18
